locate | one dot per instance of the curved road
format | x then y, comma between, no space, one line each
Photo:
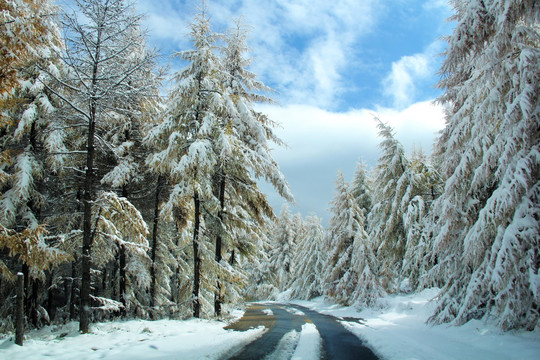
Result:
337,342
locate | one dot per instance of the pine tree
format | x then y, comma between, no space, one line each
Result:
187,139
31,144
486,222
392,193
283,245
428,186
362,189
350,267
101,87
309,260
27,32
262,279
249,135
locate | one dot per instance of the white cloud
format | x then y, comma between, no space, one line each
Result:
302,48
400,83
321,142
438,5
313,133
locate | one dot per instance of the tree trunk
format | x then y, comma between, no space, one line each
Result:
73,297
26,284
50,310
19,331
88,193
87,230
155,243
114,277
33,301
123,279
196,259
231,259
104,279
218,300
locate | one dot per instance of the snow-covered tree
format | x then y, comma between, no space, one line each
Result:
349,254
428,187
486,223
361,188
119,225
28,30
281,256
309,260
392,193
31,143
102,87
262,278
190,139
249,137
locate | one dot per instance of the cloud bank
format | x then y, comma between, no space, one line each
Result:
321,142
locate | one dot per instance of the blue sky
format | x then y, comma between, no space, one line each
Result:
334,64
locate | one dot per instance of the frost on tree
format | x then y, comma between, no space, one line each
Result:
351,269
283,247
102,88
361,188
309,260
393,190
486,222
427,187
31,134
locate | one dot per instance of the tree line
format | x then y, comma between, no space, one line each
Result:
466,219
115,200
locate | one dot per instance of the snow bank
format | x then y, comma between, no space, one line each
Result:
398,331
135,339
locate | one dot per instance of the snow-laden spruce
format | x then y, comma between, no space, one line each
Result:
283,248
32,152
392,193
427,187
351,270
361,188
212,146
309,260
486,223
102,89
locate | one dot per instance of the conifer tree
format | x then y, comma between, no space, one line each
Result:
391,195
428,186
351,264
187,139
31,142
309,260
101,87
283,244
250,134
361,188
486,222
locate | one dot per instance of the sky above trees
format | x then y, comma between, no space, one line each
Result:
334,66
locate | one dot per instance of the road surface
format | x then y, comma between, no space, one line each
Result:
337,343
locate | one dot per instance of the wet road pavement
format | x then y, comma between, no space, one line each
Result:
337,343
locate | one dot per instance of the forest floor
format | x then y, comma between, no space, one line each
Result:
395,330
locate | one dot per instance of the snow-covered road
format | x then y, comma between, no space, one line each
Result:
299,333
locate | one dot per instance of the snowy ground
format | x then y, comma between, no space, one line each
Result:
136,339
398,331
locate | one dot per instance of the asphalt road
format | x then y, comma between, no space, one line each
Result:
337,342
